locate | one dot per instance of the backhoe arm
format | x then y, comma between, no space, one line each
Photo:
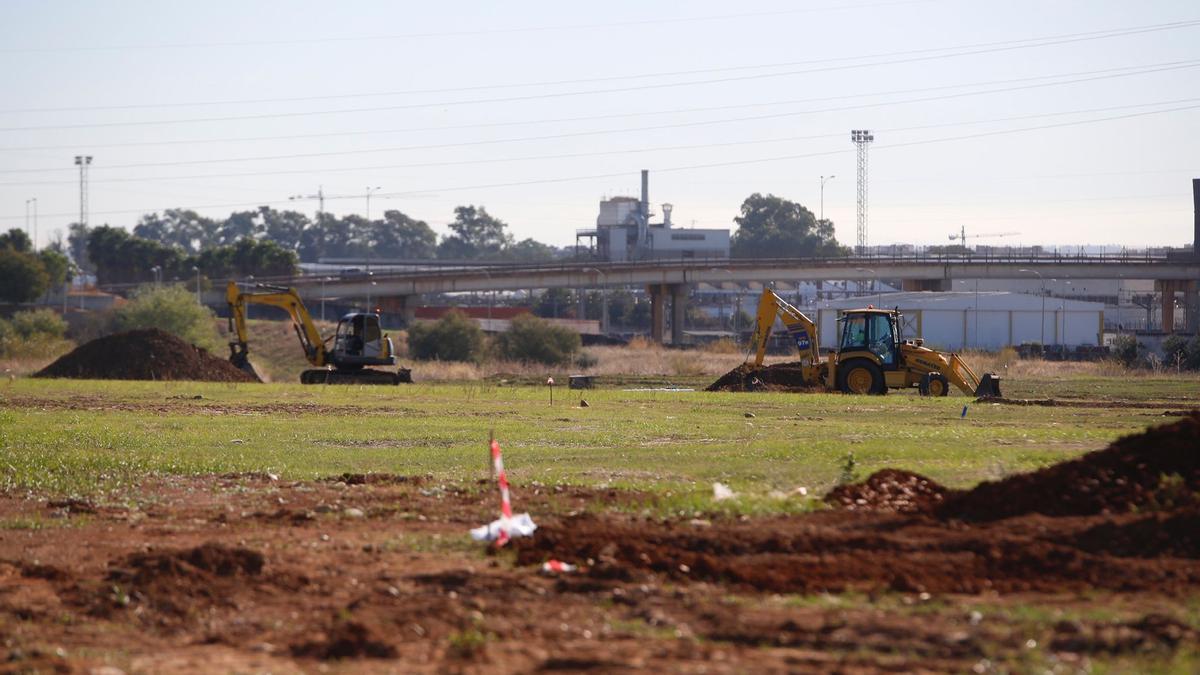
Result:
285,298
802,330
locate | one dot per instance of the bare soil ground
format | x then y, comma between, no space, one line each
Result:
372,573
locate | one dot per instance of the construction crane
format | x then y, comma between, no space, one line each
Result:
962,235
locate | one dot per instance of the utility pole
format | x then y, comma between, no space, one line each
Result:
83,162
824,179
862,138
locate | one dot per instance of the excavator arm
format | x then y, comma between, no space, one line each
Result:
802,329
284,298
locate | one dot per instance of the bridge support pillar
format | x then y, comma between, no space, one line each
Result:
940,285
660,295
1191,306
679,298
404,305
658,315
1167,289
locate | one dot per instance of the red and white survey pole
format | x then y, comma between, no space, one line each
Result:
505,501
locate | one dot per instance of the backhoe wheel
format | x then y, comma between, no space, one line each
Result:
934,384
860,376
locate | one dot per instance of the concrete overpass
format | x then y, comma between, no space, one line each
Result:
667,282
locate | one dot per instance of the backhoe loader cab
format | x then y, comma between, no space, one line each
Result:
359,342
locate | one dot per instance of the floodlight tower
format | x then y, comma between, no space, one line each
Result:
862,138
83,162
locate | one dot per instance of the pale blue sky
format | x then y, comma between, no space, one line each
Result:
173,91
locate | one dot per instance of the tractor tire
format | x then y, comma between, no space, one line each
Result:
934,384
860,376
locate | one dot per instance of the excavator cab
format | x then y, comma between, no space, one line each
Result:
359,342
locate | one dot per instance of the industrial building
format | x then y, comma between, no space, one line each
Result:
985,320
624,232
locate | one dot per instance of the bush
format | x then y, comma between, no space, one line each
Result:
532,339
1174,350
170,308
38,323
454,337
1126,349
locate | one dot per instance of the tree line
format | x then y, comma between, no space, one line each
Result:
179,243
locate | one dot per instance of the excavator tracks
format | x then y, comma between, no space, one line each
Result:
365,376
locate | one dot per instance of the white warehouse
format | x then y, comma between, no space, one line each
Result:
985,320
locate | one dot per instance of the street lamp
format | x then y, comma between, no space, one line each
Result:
1039,276
875,281
323,280
371,191
197,271
370,283
32,200
824,179
155,270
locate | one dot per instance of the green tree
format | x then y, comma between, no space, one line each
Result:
555,303
773,227
528,250
22,277
533,339
399,236
179,227
476,234
284,227
172,308
17,240
454,337
57,266
77,242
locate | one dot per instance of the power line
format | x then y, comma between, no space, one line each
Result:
1115,72
600,132
461,33
1102,34
571,155
622,90
691,167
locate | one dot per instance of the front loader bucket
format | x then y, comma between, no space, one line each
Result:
989,386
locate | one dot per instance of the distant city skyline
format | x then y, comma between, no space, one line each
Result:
1070,123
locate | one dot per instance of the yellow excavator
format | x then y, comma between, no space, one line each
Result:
872,356
357,342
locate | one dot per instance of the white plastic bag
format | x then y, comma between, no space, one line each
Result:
520,525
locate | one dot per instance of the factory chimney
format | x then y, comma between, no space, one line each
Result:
645,195
1196,216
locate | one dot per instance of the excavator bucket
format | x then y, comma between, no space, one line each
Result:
241,360
989,386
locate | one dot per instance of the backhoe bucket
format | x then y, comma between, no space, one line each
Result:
242,361
989,386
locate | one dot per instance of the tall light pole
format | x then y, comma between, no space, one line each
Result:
1039,276
197,271
83,162
155,270
824,179
371,191
370,283
323,280
861,139
32,233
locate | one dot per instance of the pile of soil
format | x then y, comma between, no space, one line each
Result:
147,354
1158,469
889,490
775,377
173,582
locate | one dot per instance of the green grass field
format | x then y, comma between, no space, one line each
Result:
82,436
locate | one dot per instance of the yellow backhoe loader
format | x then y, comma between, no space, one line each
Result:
357,342
872,356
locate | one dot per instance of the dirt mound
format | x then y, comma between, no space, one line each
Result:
889,490
171,581
838,551
347,640
147,354
1156,469
775,377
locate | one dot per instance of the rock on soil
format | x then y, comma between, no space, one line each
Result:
889,490
775,377
1158,469
146,354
